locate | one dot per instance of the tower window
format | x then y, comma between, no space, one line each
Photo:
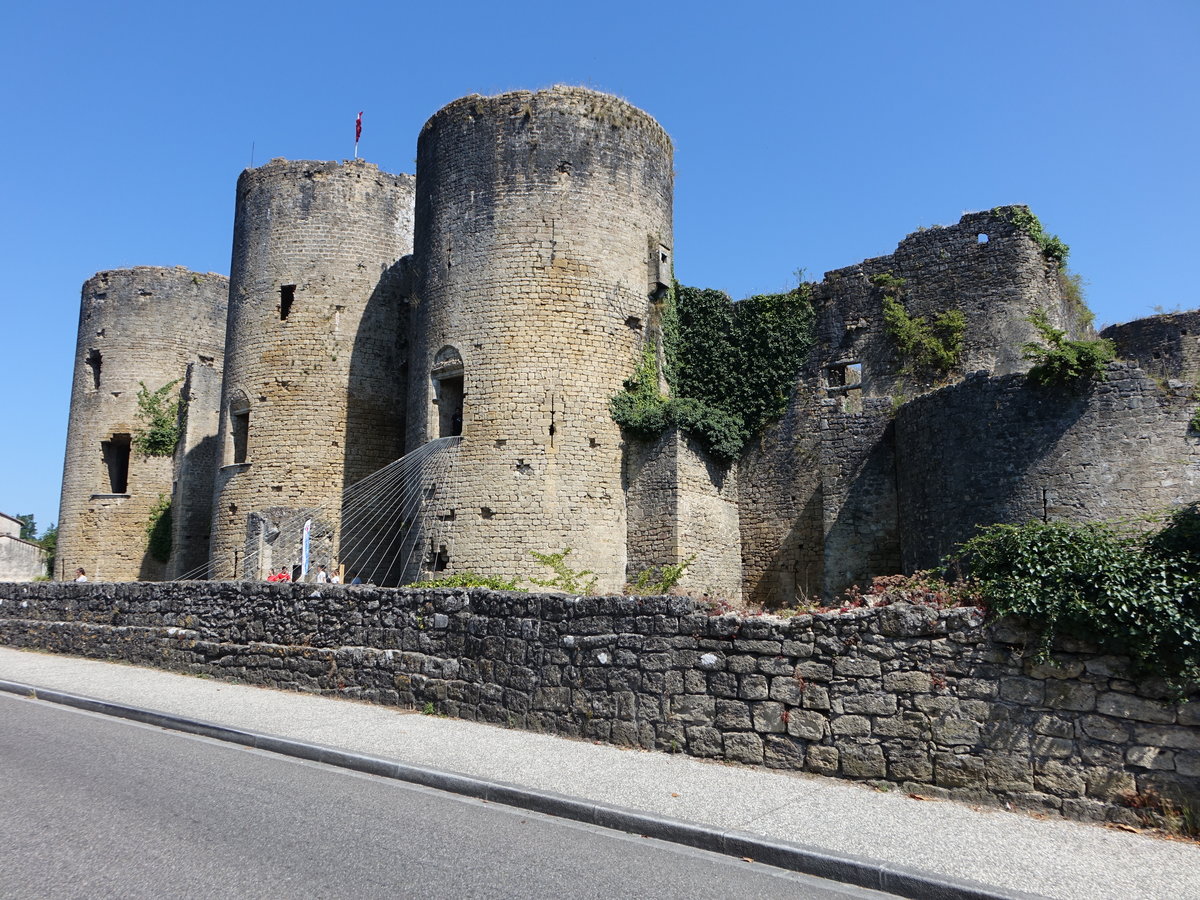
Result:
449,391
94,360
287,296
239,428
116,462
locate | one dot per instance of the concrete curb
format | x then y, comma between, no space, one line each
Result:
857,870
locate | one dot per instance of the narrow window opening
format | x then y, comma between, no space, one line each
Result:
287,296
981,238
450,406
94,359
239,430
633,322
438,558
486,512
116,462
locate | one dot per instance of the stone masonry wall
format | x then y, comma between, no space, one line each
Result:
817,485
141,325
314,353
1004,450
938,702
541,220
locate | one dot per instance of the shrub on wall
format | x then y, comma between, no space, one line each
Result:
1023,219
1127,593
928,347
1060,361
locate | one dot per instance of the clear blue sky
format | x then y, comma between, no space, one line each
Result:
808,135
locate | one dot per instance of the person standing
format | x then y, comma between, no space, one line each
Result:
80,575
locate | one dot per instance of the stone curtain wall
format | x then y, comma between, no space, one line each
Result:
1004,450
934,701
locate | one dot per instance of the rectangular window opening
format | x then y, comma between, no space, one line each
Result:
287,296
95,359
450,406
116,462
239,427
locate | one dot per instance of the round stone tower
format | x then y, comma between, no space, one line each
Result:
144,327
543,246
313,393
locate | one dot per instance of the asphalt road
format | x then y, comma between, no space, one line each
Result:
98,807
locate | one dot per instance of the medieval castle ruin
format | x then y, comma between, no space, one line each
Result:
496,302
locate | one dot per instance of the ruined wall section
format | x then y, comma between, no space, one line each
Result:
313,390
140,325
681,506
543,230
1004,450
819,485
196,460
1165,346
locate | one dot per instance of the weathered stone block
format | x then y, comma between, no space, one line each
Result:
703,741
870,704
753,687
733,715
1150,758
743,747
1054,726
1051,747
1102,728
1071,668
786,689
909,764
953,771
1025,691
1167,736
851,726
862,760
908,682
810,726
1060,779
1070,695
768,717
1008,773
814,671
693,709
1108,784
822,760
1126,706
855,667
951,731
816,697
781,752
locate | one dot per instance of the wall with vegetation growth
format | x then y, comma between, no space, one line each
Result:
936,701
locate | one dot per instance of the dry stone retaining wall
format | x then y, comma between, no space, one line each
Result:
938,702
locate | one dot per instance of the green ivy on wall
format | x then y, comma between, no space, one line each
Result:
1024,220
730,366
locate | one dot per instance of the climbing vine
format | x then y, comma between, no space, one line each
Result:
1023,219
160,418
730,366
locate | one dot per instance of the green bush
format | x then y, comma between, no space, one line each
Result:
1126,593
469,580
566,579
161,423
655,581
1022,218
931,348
1064,362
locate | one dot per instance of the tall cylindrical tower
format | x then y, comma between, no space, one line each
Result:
138,329
543,244
313,392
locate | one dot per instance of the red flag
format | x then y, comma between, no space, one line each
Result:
358,127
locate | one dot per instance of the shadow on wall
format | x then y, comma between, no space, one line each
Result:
965,455
375,409
191,511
